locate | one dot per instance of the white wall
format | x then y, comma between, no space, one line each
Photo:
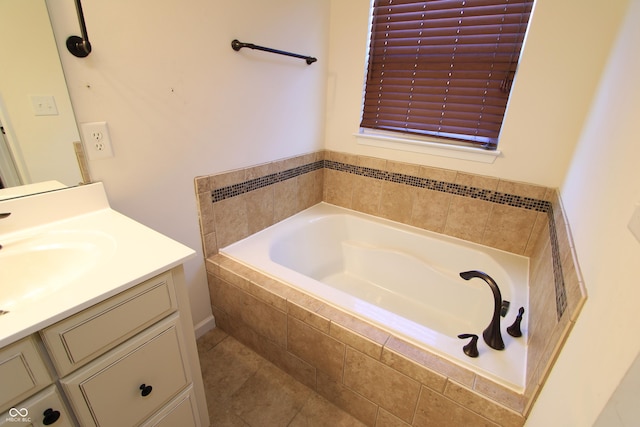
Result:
554,86
599,194
180,102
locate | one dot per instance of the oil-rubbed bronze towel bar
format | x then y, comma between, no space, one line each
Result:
79,46
236,45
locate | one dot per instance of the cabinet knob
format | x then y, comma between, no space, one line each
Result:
50,417
146,389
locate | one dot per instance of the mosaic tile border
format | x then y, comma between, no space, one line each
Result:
263,181
537,205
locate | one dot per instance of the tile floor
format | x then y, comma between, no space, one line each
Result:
244,389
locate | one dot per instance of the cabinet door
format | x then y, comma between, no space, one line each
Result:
182,411
128,384
43,409
22,372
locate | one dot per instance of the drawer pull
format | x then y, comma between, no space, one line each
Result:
146,389
50,417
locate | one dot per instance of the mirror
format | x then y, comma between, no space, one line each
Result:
36,114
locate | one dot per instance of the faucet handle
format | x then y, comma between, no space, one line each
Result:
470,349
514,330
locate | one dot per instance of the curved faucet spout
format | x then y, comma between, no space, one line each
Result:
491,335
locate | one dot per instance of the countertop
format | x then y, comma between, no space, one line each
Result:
137,254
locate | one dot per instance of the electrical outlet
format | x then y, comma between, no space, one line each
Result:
96,140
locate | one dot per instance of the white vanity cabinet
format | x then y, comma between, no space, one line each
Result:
104,335
22,372
46,408
129,360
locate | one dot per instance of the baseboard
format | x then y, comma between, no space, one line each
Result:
205,326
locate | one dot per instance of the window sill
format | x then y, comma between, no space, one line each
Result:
426,146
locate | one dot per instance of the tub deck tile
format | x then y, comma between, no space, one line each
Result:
429,361
309,317
482,406
357,341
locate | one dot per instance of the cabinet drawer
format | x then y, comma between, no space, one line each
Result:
181,411
22,372
44,408
79,339
109,391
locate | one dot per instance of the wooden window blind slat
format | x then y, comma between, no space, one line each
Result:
443,67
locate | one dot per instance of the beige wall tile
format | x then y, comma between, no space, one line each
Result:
436,410
210,244
227,178
310,188
231,221
477,181
381,384
260,209
509,228
414,370
538,234
202,184
285,195
372,162
467,218
483,406
279,356
338,188
321,351
426,359
522,189
205,211
357,341
352,402
263,318
366,194
386,419
309,317
437,174
430,209
411,169
259,171
396,201
502,395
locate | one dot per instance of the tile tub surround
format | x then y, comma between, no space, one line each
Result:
377,377
520,218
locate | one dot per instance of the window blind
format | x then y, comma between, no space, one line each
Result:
443,67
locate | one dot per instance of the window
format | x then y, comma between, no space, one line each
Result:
443,68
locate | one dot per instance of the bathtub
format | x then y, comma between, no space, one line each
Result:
403,279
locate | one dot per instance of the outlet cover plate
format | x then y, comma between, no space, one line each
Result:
97,142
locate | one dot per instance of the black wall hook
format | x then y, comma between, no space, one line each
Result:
79,46
237,45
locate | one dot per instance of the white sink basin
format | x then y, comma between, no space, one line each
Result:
34,266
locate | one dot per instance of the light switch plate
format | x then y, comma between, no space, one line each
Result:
44,105
634,223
